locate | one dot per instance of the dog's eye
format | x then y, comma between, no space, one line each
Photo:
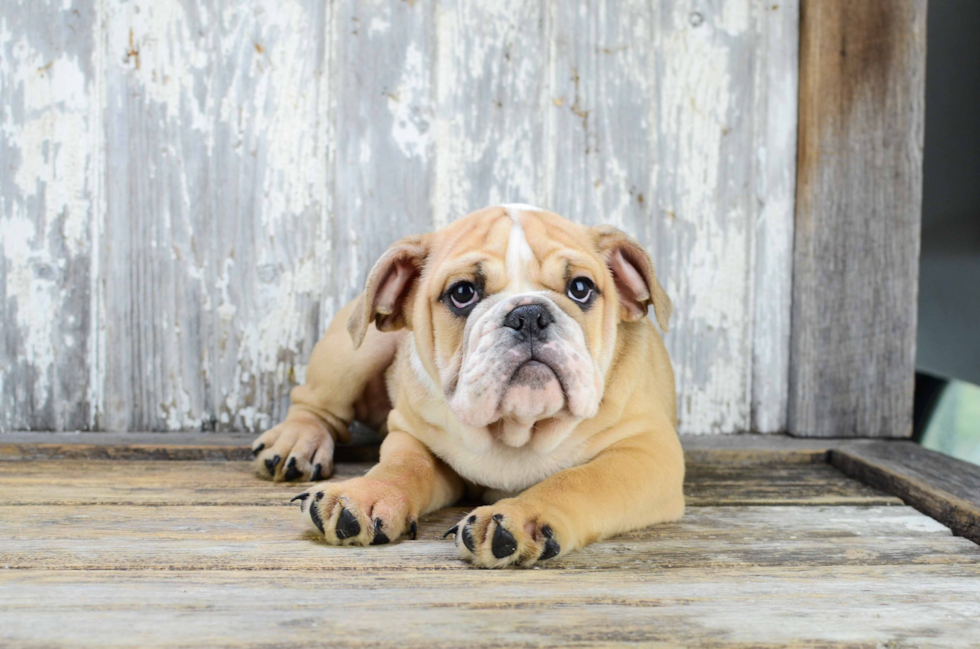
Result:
581,289
463,295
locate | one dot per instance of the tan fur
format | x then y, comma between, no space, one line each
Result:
579,480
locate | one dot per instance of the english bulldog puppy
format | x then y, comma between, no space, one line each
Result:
510,358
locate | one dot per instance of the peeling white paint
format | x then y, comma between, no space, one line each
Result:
410,129
45,208
735,16
34,293
483,103
711,350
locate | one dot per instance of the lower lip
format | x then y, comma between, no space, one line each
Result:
534,369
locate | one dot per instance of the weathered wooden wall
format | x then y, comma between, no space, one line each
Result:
190,189
859,207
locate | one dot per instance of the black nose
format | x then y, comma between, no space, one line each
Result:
529,321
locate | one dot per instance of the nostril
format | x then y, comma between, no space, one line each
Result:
529,319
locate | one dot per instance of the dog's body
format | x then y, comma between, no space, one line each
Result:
512,361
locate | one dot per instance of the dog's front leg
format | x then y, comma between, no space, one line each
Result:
633,483
386,502
343,383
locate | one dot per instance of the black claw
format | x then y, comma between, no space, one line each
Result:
315,512
452,530
467,535
504,544
347,525
257,450
414,530
380,538
551,546
291,471
302,501
317,470
271,464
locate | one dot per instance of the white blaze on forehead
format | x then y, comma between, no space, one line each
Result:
514,209
519,254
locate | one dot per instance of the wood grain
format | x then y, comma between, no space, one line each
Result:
869,606
114,482
940,486
174,553
155,255
383,105
274,538
719,449
775,97
50,202
267,215
237,166
858,208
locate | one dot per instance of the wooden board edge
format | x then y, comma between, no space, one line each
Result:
720,449
173,452
865,462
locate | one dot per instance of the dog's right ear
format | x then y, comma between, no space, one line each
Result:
388,287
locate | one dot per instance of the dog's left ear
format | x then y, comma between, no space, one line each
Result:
633,273
388,286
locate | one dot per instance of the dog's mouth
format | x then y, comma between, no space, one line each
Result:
534,374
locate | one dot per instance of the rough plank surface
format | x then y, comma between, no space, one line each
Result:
51,177
122,553
740,449
775,95
196,188
938,485
90,482
858,208
868,606
273,538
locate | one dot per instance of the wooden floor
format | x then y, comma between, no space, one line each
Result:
774,550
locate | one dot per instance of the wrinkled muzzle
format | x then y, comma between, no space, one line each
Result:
522,360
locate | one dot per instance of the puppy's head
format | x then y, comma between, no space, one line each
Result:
514,313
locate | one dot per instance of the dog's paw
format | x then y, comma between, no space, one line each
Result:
506,534
300,448
360,511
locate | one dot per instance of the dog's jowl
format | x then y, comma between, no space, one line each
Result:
509,357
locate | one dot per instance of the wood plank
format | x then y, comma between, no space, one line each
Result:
491,78
155,261
88,482
868,606
383,106
858,209
940,486
215,211
758,449
776,484
160,451
668,133
775,96
266,209
50,206
273,538
81,482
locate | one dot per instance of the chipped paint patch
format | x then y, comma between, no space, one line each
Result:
410,123
50,171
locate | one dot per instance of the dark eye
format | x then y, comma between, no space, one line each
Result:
581,289
463,295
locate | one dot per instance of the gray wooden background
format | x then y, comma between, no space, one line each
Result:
190,189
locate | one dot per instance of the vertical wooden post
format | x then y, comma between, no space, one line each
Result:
858,209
